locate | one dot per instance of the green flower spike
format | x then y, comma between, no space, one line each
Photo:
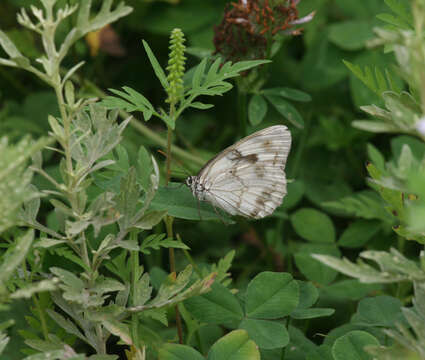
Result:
175,66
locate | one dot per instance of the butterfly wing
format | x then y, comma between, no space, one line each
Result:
248,178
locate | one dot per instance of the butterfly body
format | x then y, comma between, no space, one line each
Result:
247,178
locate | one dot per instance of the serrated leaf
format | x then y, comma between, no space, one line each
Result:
159,72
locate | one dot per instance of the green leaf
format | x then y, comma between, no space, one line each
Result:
257,109
266,334
219,306
308,294
313,225
375,126
374,80
156,241
351,289
159,72
150,219
144,168
201,106
376,157
287,110
358,233
379,311
199,73
35,287
178,352
15,255
295,194
234,346
292,94
313,270
350,35
366,204
180,203
271,295
351,346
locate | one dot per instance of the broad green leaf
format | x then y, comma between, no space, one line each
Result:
313,225
350,35
219,306
379,311
257,109
295,194
266,334
287,110
180,202
178,352
308,294
313,270
271,295
352,346
234,346
358,233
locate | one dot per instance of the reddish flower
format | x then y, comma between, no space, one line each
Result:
249,25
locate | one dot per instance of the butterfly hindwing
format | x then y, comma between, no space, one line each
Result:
248,178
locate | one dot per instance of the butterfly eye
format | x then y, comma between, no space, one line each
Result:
189,181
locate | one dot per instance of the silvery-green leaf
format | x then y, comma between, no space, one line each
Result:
3,342
15,255
28,291
104,285
118,329
375,126
66,324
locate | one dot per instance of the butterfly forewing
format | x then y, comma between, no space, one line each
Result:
248,178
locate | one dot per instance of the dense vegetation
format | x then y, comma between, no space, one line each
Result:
106,107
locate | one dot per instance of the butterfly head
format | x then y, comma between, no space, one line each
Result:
195,186
191,181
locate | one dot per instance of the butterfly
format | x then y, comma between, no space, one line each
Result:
247,178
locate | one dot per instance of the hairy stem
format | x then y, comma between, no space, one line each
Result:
134,259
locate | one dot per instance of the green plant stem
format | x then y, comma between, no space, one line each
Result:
168,160
169,226
169,220
134,259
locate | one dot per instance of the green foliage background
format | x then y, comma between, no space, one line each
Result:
330,209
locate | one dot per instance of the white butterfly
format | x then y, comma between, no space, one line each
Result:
247,178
